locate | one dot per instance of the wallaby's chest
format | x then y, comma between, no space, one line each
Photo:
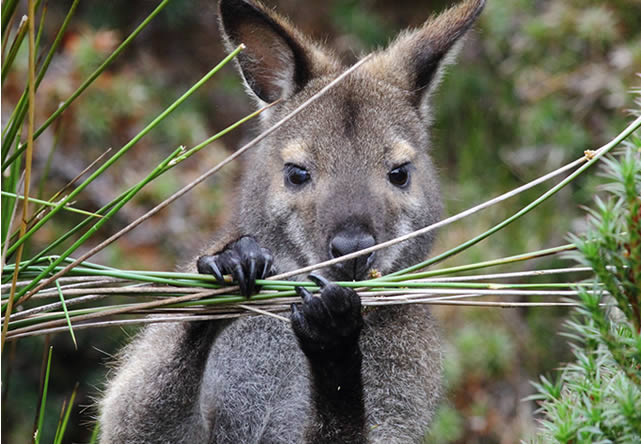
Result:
255,387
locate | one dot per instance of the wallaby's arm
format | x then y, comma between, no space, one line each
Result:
338,409
155,396
327,328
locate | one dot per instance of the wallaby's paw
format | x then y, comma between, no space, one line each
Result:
329,324
244,260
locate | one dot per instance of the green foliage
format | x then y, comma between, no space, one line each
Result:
486,356
448,426
353,19
597,397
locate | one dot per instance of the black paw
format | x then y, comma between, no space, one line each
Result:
327,326
244,260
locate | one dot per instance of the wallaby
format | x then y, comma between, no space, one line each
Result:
350,171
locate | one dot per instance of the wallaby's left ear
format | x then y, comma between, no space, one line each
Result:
415,60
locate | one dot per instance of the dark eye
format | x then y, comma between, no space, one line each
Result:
400,176
296,175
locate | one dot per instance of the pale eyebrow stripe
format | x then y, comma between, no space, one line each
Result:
401,152
294,152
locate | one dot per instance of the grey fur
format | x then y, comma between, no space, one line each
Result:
247,381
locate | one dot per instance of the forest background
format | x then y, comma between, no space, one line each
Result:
537,83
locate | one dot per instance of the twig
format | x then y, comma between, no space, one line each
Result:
263,312
75,280
55,305
490,303
482,277
121,322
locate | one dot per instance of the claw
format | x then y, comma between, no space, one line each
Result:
297,318
266,270
216,272
239,277
251,275
304,294
208,265
318,280
267,266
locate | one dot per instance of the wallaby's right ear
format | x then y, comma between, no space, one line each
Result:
278,61
415,60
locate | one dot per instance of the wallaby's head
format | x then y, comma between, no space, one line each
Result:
353,169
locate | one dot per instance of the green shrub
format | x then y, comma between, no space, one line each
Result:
597,398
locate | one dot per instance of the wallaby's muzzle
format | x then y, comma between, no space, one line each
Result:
349,241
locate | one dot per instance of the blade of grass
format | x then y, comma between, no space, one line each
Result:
15,46
17,42
41,27
52,204
5,38
67,281
62,427
64,308
95,434
43,402
60,418
8,9
544,272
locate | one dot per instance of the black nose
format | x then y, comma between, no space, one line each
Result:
346,242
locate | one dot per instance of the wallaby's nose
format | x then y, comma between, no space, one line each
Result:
346,242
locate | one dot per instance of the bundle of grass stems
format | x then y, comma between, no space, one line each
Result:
47,287
52,293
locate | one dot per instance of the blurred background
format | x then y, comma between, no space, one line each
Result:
537,83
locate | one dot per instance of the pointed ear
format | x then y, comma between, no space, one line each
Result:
415,60
278,61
